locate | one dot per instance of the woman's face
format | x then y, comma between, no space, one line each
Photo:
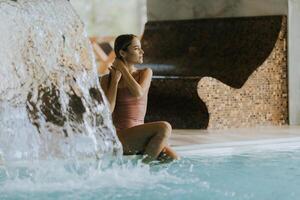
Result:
134,53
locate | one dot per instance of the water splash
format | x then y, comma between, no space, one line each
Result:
51,103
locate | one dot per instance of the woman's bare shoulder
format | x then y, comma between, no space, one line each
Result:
146,70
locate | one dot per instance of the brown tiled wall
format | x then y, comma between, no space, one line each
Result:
261,101
242,65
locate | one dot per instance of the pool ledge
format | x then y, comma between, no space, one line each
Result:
215,142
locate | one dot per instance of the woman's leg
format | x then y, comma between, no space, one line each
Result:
167,153
150,138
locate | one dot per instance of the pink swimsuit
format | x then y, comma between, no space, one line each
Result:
129,110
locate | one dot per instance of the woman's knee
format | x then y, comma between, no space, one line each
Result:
165,128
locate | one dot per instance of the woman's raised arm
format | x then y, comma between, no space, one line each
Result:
137,89
109,84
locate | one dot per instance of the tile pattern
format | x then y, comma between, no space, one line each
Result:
263,99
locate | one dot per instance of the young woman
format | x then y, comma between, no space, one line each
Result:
126,89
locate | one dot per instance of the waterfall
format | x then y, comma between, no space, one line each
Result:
51,104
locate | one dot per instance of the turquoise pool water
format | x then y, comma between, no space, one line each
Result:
259,172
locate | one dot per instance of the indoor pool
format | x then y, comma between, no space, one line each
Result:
253,170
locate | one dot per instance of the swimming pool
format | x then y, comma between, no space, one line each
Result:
267,169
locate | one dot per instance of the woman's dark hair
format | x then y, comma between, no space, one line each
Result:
122,42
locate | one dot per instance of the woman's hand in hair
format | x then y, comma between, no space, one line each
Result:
119,65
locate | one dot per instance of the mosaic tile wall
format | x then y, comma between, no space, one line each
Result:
261,101
242,64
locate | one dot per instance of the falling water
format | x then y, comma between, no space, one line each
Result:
51,103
